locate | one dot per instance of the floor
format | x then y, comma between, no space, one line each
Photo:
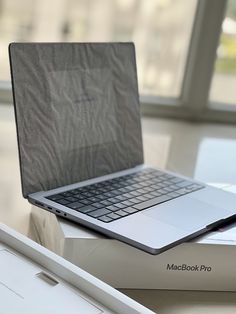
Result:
204,151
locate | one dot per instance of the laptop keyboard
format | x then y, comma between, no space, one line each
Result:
119,197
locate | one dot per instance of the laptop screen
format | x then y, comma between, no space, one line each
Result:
77,111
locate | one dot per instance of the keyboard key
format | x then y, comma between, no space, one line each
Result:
127,203
130,188
115,193
79,196
128,195
164,183
174,187
87,209
107,188
122,213
134,200
118,186
141,191
98,205
86,202
120,205
130,181
176,180
166,189
173,194
75,205
113,200
63,201
155,193
88,194
101,197
71,199
103,190
105,219
152,202
170,188
134,193
99,212
109,194
182,191
156,181
144,184
136,186
183,184
112,208
94,199
106,203
113,216
162,191
158,186
123,190
148,189
84,189
96,192
120,198
130,210
194,187
115,186
142,198
149,196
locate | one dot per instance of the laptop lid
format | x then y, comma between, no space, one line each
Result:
77,111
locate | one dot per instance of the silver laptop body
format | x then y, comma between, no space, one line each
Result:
80,147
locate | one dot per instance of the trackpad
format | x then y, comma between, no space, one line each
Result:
187,213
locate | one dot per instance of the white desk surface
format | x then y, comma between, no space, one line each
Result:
185,302
179,146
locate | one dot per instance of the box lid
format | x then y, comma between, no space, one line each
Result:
32,277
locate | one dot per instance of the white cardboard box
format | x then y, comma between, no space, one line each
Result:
207,263
35,280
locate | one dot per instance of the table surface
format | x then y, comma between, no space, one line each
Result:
205,152
185,302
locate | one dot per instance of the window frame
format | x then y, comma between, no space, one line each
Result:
193,103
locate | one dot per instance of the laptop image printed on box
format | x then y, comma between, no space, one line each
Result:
80,147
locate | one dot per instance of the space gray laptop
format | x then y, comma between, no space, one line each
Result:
80,147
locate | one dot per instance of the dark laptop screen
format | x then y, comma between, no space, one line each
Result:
77,111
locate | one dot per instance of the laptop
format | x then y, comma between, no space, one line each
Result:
80,148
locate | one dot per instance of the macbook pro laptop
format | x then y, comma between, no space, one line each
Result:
80,147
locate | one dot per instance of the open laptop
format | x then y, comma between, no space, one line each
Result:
80,147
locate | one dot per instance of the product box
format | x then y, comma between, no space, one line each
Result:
35,280
207,263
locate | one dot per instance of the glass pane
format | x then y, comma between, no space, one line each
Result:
224,78
161,30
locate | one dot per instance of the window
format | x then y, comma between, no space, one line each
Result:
177,43
224,79
161,30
